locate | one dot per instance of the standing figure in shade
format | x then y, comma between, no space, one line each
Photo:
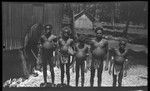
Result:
30,47
118,63
48,46
81,54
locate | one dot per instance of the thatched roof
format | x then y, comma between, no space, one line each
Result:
86,13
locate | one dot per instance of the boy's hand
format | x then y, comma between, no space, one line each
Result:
110,72
125,73
40,46
106,68
87,55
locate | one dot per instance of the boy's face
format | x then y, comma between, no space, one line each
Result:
48,29
66,33
99,33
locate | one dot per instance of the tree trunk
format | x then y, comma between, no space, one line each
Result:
67,16
125,32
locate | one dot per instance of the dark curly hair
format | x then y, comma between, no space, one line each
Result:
122,42
66,28
49,26
99,28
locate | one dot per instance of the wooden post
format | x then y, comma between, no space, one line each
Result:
10,25
125,32
68,16
126,29
6,43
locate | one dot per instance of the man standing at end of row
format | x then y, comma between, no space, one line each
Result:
119,63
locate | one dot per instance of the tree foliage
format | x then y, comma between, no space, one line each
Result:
134,11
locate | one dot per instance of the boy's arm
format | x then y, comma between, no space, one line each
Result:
87,51
26,41
51,38
125,64
44,38
59,44
113,54
111,65
74,56
88,41
107,55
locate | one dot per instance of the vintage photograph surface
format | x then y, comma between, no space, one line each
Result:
84,44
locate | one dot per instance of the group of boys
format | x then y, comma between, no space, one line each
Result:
77,50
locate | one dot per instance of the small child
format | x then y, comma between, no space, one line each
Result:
80,57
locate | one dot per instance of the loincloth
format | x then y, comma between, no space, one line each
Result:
46,54
99,56
80,60
97,63
64,59
118,66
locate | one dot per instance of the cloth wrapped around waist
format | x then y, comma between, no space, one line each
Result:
46,52
80,60
118,66
64,58
96,64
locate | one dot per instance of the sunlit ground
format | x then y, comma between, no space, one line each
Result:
136,76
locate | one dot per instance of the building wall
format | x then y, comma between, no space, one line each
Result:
83,22
17,16
53,16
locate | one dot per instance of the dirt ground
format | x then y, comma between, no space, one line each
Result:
136,76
